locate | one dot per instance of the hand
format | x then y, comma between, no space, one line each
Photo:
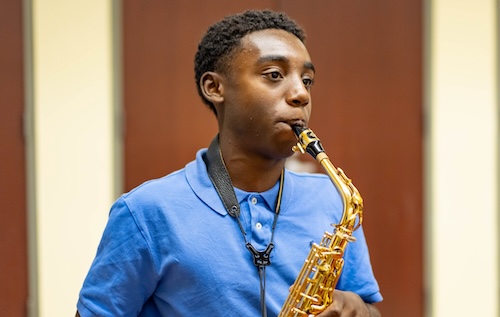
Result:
349,304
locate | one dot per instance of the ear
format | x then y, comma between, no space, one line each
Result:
212,87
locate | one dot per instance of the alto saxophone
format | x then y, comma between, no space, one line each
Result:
313,289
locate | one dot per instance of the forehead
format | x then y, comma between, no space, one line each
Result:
273,42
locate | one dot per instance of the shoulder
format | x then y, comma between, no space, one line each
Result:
173,184
306,175
158,194
314,188
302,179
158,185
190,183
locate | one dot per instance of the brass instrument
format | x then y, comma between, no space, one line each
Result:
313,289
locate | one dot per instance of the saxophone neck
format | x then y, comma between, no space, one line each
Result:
353,203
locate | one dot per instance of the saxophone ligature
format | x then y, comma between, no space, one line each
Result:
313,289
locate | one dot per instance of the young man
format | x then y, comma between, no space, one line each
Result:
174,247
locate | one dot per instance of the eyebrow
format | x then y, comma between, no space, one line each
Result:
283,59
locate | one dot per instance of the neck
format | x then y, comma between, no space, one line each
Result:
251,173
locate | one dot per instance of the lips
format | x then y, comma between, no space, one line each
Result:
296,122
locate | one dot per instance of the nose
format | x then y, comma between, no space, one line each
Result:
298,94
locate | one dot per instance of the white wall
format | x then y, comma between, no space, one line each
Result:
463,158
73,129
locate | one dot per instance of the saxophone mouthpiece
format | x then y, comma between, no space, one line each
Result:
307,141
298,129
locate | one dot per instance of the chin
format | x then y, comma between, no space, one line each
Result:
286,151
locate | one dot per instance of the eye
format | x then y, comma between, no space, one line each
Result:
308,82
273,75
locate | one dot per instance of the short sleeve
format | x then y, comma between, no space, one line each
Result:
122,276
357,275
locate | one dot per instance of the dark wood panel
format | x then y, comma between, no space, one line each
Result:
367,111
166,123
13,241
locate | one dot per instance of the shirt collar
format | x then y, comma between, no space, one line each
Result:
270,196
198,179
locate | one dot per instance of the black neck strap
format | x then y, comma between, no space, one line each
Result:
222,182
220,178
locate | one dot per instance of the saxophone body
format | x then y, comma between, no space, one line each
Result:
313,289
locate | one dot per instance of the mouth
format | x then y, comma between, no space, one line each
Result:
296,123
296,126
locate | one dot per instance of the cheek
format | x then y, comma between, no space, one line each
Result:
309,111
260,106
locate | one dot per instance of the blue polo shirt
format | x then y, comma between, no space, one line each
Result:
171,249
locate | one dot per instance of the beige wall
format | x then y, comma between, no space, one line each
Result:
72,90
462,157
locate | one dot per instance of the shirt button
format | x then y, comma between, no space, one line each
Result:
254,200
258,225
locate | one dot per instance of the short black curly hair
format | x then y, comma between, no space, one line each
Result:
222,39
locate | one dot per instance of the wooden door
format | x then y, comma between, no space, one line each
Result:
13,239
367,111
